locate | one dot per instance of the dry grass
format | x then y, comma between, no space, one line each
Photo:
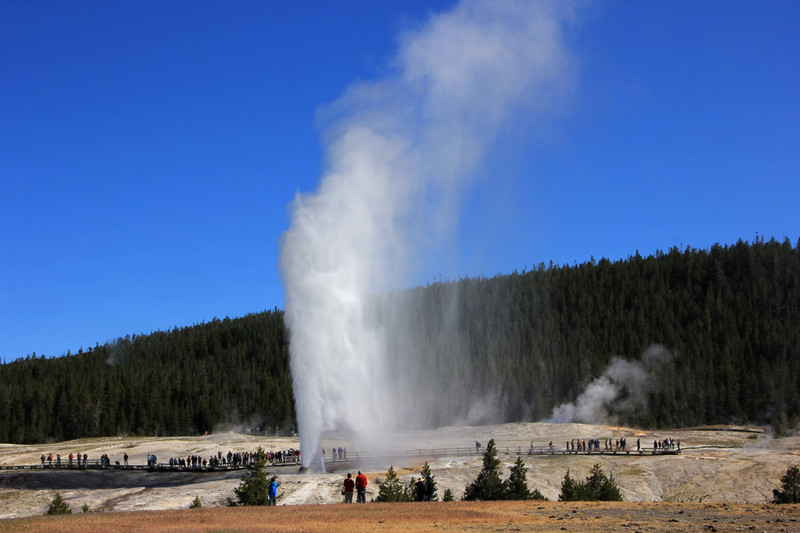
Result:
454,516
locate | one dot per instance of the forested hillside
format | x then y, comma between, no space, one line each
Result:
730,315
184,381
527,341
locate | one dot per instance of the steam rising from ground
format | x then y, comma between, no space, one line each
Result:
398,152
622,389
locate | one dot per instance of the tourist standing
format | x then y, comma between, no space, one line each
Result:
349,486
273,492
361,487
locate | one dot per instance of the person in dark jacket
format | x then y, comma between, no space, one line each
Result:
421,490
349,486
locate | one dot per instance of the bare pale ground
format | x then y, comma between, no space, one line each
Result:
718,467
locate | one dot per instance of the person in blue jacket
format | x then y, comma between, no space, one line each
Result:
272,493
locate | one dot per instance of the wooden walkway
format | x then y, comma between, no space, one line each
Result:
351,457
508,450
160,467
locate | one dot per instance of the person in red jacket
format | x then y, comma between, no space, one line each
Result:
361,487
349,485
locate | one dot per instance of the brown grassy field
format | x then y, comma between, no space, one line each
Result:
437,516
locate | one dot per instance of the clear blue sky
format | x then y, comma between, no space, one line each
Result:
148,150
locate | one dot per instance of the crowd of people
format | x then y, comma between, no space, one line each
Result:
593,445
234,459
667,445
290,456
77,460
614,446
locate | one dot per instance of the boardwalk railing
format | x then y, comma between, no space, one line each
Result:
508,450
292,460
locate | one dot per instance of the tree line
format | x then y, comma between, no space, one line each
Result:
185,381
531,340
527,341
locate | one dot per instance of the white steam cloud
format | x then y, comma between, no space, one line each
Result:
398,151
622,389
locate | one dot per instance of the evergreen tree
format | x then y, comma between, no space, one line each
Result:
536,495
254,488
392,490
570,490
596,487
600,487
731,313
488,485
517,484
196,503
430,482
58,506
448,496
789,492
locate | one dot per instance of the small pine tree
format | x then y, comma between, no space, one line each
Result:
536,495
596,487
85,508
254,488
517,484
58,506
411,490
430,481
790,487
196,503
392,489
488,485
570,490
448,496
600,487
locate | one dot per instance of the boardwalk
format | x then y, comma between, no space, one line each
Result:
351,457
160,467
508,450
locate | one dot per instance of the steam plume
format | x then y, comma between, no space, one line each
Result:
398,151
622,389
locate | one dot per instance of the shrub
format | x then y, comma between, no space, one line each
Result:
196,503
790,487
58,506
536,495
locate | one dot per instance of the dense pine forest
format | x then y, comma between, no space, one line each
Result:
530,340
185,381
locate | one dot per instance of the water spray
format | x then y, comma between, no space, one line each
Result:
399,151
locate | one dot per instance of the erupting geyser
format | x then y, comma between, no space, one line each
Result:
398,151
